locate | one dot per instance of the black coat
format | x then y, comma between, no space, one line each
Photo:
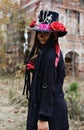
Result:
46,97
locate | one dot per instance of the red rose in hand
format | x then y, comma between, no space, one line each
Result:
56,26
33,23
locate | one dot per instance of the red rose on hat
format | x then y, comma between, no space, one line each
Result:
57,26
33,23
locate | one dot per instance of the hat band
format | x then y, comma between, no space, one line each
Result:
43,26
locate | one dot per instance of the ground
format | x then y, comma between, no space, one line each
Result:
13,106
12,115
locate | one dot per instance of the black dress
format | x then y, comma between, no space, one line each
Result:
47,101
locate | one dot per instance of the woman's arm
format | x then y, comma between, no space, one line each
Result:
48,88
43,125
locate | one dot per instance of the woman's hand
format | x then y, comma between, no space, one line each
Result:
43,125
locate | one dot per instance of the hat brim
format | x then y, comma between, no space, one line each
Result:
60,34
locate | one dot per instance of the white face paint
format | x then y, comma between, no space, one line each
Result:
43,37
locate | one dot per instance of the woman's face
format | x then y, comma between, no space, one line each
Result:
43,37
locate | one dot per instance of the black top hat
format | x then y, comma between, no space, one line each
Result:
48,22
48,16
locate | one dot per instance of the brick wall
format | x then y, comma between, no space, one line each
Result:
24,2
71,14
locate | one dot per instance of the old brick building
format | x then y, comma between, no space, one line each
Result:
29,7
71,14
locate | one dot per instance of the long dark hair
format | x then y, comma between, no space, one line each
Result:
37,45
35,49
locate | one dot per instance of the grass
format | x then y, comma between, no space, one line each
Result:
13,105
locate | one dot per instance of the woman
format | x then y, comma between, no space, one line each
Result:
47,108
